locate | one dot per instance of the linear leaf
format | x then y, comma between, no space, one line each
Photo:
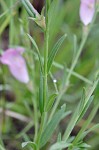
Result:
29,8
82,112
37,49
54,51
72,123
50,128
75,116
50,101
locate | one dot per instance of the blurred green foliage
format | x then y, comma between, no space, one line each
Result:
14,25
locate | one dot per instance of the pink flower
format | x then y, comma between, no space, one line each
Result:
16,63
87,10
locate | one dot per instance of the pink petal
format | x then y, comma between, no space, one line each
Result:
10,53
19,70
87,9
9,56
16,64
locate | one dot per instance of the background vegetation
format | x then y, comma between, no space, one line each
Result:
19,103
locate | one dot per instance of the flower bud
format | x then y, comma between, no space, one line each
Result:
87,10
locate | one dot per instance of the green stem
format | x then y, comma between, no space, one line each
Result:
45,66
46,56
73,65
43,118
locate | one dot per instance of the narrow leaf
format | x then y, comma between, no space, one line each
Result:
72,123
27,8
83,111
82,102
50,101
54,51
37,49
50,128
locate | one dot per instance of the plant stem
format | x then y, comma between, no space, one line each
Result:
73,65
46,57
45,69
43,118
